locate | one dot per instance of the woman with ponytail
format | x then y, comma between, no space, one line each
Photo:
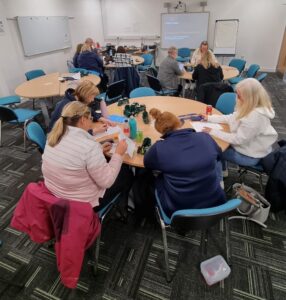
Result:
74,165
187,162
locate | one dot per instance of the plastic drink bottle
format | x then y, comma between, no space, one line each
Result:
133,128
126,129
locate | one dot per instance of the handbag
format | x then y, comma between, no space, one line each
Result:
254,206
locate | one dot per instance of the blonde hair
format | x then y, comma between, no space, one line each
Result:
71,114
78,48
253,95
208,60
164,122
85,47
85,89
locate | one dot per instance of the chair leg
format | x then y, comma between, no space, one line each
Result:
25,140
204,240
165,244
0,133
96,254
227,241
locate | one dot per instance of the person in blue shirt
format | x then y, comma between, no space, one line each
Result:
187,165
85,92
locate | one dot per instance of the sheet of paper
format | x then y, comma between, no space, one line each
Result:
109,131
131,146
198,126
76,76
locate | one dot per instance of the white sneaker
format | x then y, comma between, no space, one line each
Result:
222,184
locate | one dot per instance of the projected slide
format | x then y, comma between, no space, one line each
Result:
184,30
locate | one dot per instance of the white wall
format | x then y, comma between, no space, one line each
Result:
13,64
261,26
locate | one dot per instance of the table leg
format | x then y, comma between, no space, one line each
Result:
45,112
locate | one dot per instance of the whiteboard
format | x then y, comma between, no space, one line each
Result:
44,34
225,36
184,29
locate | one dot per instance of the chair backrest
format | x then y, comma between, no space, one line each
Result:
35,133
202,219
7,114
115,89
261,77
252,70
238,63
34,74
142,92
148,59
226,103
154,83
184,52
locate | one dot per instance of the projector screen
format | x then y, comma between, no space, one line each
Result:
184,29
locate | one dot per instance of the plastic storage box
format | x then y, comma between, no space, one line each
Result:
215,269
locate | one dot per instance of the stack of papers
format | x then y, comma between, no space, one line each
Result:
198,126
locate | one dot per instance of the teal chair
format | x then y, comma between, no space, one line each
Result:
142,92
10,100
18,116
83,71
261,77
251,73
184,55
36,134
226,103
238,63
148,61
185,220
34,74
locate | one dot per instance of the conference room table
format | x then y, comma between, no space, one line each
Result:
176,105
48,86
228,73
137,60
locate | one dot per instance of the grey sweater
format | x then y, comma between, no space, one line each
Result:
168,73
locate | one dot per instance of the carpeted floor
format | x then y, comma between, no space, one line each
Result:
131,260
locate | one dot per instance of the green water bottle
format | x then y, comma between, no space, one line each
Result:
133,127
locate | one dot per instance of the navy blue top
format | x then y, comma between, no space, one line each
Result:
188,179
69,97
90,60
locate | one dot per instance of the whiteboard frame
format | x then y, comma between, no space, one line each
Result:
177,13
225,51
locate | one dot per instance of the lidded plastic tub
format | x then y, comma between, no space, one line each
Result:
215,269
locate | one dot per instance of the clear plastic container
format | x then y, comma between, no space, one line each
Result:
215,269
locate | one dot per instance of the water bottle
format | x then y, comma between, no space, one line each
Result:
133,128
126,129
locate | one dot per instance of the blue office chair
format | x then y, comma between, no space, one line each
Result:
185,220
184,55
113,93
34,74
102,214
155,84
83,72
148,61
251,73
142,92
18,116
237,63
36,134
226,103
261,77
10,100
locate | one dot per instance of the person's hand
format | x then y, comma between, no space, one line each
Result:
99,128
121,147
106,147
206,129
107,122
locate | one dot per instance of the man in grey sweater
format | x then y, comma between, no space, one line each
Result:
169,71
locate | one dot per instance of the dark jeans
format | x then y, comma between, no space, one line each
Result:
144,193
121,185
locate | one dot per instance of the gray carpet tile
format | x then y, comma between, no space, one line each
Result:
131,261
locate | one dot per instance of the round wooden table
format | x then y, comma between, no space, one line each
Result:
137,60
228,73
176,105
48,86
